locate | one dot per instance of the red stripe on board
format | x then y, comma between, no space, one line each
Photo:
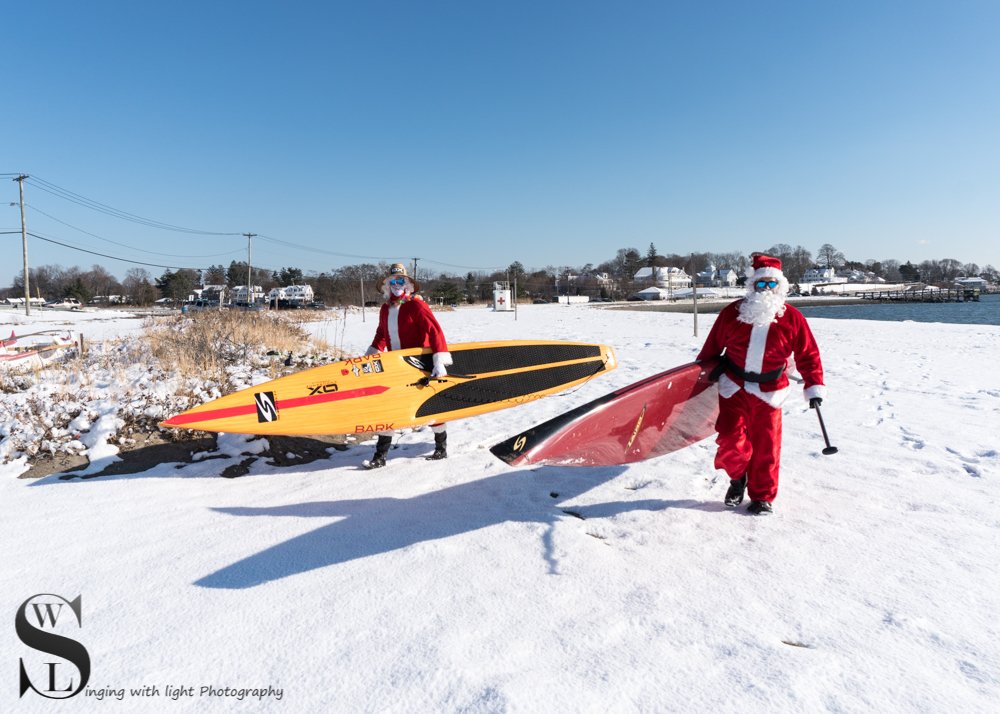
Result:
244,409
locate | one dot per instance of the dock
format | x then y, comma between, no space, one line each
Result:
922,295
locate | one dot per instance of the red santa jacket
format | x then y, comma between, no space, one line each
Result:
763,349
406,324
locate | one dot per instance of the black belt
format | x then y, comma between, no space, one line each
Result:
726,365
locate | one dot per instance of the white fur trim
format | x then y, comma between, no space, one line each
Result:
817,390
371,351
774,399
767,273
727,387
441,361
755,363
755,349
393,325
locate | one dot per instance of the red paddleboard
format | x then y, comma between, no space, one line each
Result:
656,416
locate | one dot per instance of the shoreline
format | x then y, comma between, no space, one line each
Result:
714,306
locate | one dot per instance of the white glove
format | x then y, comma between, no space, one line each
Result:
441,361
371,351
815,391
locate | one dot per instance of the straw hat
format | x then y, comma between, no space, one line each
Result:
397,270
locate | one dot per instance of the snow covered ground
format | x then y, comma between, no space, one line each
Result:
465,585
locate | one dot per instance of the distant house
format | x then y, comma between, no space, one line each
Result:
239,294
291,295
19,301
210,292
108,300
818,275
652,293
717,277
972,283
666,277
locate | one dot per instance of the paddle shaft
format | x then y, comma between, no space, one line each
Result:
829,449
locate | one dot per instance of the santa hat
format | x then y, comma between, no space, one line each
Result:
766,266
397,270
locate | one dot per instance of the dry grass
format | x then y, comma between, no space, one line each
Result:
209,344
177,363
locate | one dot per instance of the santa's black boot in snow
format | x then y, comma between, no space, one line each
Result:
734,496
381,449
760,508
440,446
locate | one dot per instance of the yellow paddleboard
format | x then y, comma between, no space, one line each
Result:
394,390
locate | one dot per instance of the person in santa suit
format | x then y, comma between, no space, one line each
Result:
406,321
756,337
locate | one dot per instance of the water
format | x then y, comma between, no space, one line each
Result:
984,312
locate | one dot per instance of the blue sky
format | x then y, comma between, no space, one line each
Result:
473,134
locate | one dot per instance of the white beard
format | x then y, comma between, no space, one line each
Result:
397,290
761,308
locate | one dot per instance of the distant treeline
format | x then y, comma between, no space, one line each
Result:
354,284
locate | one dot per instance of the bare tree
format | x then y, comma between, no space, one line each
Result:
950,269
796,263
98,281
830,257
138,287
890,271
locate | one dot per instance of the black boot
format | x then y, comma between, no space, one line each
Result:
734,496
440,446
381,449
760,508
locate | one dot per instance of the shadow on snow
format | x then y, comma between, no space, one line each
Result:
373,526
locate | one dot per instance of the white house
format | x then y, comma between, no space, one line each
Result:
239,294
818,275
970,283
19,301
296,294
666,277
721,277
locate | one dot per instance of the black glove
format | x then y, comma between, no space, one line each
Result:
815,402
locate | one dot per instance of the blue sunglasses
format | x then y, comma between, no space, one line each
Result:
761,284
397,281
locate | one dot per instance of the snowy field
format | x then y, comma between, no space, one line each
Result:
467,586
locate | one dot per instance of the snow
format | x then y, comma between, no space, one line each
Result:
467,585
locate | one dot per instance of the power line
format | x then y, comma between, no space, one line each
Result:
76,198
125,260
110,257
123,245
67,195
271,239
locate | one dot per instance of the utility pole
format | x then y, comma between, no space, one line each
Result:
24,247
249,272
694,293
415,268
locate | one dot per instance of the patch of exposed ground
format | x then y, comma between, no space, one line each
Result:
152,449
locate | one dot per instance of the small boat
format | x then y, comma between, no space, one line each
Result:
16,355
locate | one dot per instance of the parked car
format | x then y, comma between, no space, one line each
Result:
69,303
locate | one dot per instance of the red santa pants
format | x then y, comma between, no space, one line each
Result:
750,443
